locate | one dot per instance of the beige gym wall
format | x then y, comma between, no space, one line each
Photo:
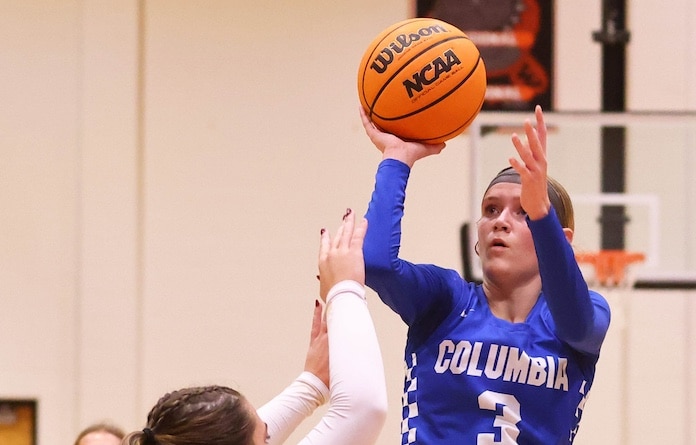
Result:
165,169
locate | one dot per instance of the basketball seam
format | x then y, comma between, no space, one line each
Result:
405,65
435,102
458,129
387,33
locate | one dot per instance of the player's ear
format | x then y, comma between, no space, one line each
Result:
568,234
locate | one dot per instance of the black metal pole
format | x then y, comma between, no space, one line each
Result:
613,37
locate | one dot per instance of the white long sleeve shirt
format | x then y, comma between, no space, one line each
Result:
357,398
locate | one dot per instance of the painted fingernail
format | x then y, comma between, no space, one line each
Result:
321,232
316,303
318,278
348,212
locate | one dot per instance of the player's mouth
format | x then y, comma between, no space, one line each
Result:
498,243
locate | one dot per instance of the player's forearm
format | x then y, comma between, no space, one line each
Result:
563,285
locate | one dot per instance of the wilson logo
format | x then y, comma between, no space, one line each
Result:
402,41
431,72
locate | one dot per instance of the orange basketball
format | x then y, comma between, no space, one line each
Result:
423,80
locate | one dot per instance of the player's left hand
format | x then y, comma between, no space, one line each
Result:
532,167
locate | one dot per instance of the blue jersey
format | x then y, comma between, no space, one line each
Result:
473,378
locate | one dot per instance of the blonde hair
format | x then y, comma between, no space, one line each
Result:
100,428
566,214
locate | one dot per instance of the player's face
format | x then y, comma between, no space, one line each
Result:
505,243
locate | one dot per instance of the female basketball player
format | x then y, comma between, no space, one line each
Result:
511,360
217,415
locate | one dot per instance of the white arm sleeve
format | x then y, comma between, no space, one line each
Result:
358,404
358,396
289,408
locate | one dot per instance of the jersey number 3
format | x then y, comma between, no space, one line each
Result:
508,409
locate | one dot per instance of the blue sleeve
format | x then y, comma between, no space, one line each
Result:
581,317
415,292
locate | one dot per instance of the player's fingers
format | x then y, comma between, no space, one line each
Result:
540,126
316,320
367,123
359,234
348,224
517,165
530,151
522,150
336,241
324,243
536,151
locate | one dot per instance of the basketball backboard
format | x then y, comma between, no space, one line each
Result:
659,198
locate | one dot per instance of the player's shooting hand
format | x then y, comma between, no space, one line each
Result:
393,147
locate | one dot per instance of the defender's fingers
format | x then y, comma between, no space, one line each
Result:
348,225
338,238
324,243
336,241
316,320
359,233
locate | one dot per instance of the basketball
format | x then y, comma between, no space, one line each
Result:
423,80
